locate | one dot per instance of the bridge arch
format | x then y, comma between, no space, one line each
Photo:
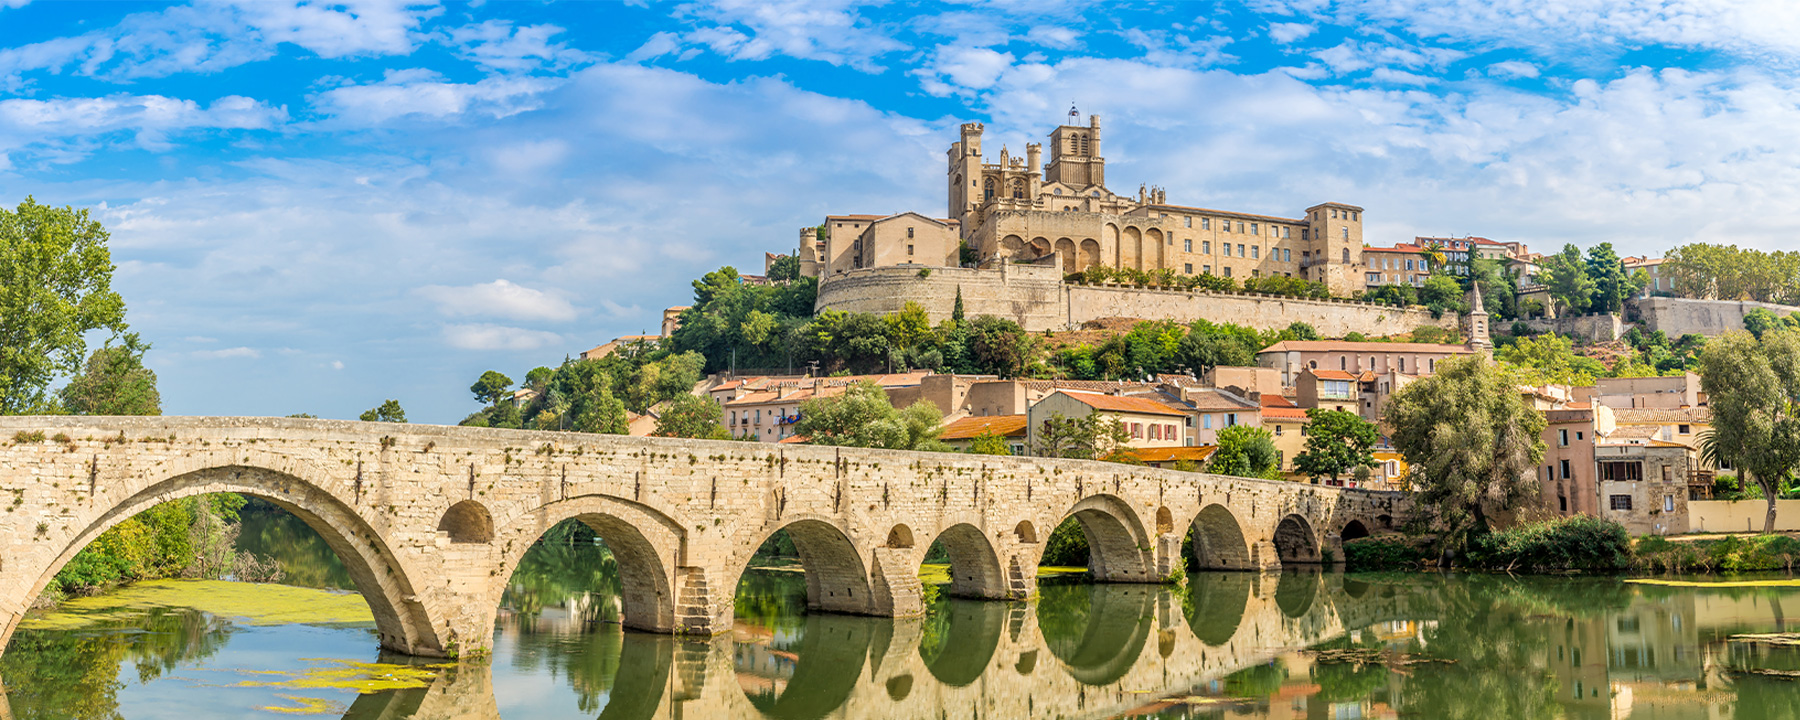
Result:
974,565
1097,632
380,576
644,542
1295,541
837,578
1118,546
467,522
1219,540
1353,530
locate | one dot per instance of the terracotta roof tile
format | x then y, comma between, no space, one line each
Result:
1196,453
1123,403
1362,347
1002,425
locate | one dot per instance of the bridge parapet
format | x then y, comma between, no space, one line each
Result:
431,520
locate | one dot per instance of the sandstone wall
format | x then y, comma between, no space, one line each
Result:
1599,327
1680,316
1036,298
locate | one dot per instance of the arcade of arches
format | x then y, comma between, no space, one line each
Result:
430,521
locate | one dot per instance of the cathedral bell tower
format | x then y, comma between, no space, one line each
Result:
1075,158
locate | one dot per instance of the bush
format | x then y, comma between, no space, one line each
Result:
1580,543
1729,554
1382,553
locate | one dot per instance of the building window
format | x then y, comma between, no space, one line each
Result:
1566,468
1206,269
1346,237
1287,255
1255,252
1227,271
1346,255
1205,247
1205,223
1187,268
1668,503
1240,249
1409,263
1277,431
1562,439
1683,429
909,233
1253,229
1206,421
1286,233
1187,245
1255,272
1666,470
1187,222
1621,471
1057,191
1230,419
1621,502
909,250
1240,227
1562,503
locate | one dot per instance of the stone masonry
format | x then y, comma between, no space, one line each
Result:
431,520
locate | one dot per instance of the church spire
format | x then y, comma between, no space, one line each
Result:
1478,322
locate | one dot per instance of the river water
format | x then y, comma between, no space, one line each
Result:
1226,645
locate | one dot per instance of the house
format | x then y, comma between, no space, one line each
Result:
960,433
1287,427
1676,391
1643,482
1566,478
1148,423
1291,356
622,343
1214,409
765,409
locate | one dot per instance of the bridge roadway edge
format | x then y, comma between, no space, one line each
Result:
434,518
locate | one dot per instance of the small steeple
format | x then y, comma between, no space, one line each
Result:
1478,322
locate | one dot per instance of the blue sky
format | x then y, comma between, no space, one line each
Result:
317,206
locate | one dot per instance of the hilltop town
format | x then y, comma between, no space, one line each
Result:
1042,297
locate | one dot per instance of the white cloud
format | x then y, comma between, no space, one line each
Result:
497,44
964,68
64,129
229,353
1285,33
1053,36
210,36
1513,69
415,95
498,337
499,298
1400,77
825,30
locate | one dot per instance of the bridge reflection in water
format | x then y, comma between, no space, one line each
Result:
1226,644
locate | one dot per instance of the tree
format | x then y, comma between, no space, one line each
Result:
539,378
861,416
1471,440
1337,442
998,346
691,416
1751,387
785,268
1088,437
55,287
1612,284
1566,278
1760,321
115,382
1550,358
956,311
988,442
1246,451
387,411
1301,331
491,388
1442,294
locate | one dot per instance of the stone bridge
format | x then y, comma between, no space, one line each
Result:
431,520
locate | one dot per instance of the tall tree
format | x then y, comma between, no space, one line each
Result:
862,416
1246,451
1612,284
1566,277
1752,386
691,416
55,287
1471,440
1337,442
491,388
115,382
388,411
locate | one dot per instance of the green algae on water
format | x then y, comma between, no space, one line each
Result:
1792,582
365,678
304,706
244,603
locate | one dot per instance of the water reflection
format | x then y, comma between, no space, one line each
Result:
1240,645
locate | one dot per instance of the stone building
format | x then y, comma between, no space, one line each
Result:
1022,209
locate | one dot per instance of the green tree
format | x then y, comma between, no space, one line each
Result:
491,388
1442,294
1088,437
1549,358
908,327
1760,321
387,411
785,268
115,382
691,416
55,287
1612,284
1752,386
1337,442
988,442
998,346
539,378
1566,278
1471,440
862,416
1246,451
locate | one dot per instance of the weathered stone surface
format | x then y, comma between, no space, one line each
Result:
431,520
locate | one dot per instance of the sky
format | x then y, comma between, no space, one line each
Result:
314,207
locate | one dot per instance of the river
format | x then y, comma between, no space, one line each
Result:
1238,645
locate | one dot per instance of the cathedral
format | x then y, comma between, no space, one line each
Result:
1022,210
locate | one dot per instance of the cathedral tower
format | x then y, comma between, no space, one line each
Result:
1075,153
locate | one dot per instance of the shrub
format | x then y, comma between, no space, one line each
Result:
1382,553
1580,543
1728,554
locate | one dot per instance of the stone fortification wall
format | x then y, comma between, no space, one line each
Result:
1331,318
1680,316
1599,327
1031,295
1035,297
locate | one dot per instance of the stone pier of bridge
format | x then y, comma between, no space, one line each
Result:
431,520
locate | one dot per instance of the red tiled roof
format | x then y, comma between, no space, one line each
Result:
1362,347
1283,413
1002,425
1120,403
1196,453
